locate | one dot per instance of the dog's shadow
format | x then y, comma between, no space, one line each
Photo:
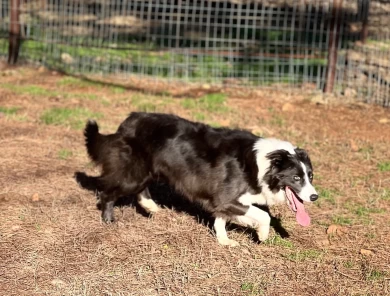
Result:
165,196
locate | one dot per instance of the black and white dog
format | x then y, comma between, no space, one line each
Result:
224,170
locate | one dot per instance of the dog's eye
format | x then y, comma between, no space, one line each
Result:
297,178
311,176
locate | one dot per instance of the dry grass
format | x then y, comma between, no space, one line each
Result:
52,241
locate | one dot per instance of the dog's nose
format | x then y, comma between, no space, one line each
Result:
313,197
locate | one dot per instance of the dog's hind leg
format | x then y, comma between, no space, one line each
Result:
107,207
146,202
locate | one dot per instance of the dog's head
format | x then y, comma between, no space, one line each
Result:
292,172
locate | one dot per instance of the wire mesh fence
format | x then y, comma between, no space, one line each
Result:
237,42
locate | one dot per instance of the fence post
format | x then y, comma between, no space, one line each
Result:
334,33
365,11
14,33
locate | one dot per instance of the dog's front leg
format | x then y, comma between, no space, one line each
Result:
220,232
258,219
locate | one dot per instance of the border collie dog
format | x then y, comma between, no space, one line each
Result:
226,171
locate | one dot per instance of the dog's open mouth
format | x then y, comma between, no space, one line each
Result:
296,205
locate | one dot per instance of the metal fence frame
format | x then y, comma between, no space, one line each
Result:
259,42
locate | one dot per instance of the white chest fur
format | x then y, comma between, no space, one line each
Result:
266,197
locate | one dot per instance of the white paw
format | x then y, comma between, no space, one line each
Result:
263,233
149,205
228,242
153,209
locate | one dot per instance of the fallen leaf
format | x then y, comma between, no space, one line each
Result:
336,229
15,228
288,107
354,146
384,120
366,252
35,197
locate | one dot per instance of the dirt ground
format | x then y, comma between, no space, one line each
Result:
52,241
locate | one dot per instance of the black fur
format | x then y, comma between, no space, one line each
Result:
284,166
212,166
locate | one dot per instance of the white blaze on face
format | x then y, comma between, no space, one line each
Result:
307,189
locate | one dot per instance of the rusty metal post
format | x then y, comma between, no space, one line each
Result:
365,12
334,34
14,33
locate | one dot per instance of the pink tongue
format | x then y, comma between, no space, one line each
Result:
302,216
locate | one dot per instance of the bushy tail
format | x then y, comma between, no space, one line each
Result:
93,140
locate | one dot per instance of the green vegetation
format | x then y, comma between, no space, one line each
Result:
78,82
365,211
309,254
9,110
33,90
250,288
349,264
279,241
376,275
214,103
74,118
384,166
341,220
325,196
64,154
198,116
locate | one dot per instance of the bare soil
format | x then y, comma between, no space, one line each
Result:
52,241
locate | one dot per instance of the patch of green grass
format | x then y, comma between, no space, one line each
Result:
376,275
370,235
9,110
325,195
78,82
149,103
279,241
92,97
349,264
214,103
299,256
118,89
384,166
147,107
64,154
340,220
214,124
252,288
248,287
32,90
198,116
365,211
277,120
189,104
74,118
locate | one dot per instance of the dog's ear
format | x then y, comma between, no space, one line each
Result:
302,154
278,157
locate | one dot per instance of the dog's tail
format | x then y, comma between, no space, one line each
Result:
94,141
